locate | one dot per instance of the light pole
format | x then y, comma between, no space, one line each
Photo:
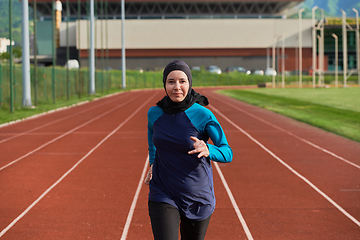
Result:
336,59
26,101
344,39
11,60
314,45
300,47
357,45
283,61
53,49
92,49
35,53
321,60
321,49
123,44
67,50
274,54
273,64
79,52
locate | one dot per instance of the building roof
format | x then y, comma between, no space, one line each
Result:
174,8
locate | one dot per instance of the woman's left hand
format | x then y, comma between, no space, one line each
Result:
199,147
149,175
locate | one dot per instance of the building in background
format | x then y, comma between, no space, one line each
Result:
4,44
200,32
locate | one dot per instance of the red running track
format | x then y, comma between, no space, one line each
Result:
77,174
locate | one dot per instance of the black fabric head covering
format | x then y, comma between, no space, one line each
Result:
177,65
166,104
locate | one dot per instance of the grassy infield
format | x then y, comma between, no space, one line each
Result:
333,109
45,106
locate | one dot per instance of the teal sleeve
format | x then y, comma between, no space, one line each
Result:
152,149
153,114
205,121
220,150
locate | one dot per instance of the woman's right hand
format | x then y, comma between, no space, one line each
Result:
148,175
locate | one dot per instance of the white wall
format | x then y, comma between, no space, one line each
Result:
190,33
72,34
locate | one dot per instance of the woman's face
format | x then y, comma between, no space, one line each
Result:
177,85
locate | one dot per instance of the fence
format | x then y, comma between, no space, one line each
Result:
75,83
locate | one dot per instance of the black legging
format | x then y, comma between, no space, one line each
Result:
165,221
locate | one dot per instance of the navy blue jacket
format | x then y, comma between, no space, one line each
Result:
182,180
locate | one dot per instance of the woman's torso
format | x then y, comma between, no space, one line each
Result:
180,179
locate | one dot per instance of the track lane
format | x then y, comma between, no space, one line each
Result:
302,132
20,127
260,131
95,199
39,136
121,114
332,179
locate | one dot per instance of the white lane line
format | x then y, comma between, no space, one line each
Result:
233,202
290,168
71,169
63,135
53,122
292,134
133,204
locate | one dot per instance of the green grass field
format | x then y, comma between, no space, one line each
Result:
45,106
333,109
343,98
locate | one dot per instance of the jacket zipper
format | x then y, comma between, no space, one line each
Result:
172,124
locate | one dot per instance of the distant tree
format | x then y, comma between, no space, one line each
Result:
17,53
5,55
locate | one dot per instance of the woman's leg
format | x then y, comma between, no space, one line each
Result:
193,230
165,220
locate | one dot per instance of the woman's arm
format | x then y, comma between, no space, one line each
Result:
152,151
220,151
151,148
152,115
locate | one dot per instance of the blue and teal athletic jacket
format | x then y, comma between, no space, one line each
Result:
182,180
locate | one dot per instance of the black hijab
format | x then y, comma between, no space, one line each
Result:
166,104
